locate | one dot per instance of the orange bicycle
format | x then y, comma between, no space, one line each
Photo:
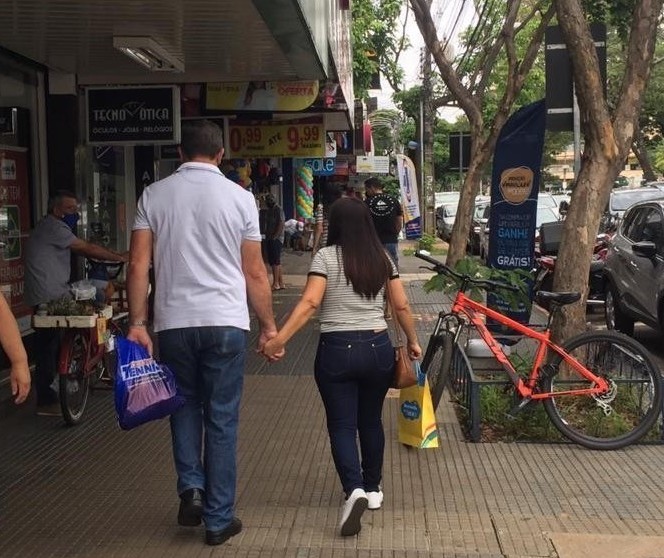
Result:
600,389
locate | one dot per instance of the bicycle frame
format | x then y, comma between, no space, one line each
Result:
93,351
472,310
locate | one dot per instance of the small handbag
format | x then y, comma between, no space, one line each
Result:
404,373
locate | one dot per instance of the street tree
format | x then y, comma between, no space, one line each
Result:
608,136
378,33
506,31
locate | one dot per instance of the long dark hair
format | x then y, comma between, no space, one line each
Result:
366,263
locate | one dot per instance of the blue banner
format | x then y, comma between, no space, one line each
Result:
515,183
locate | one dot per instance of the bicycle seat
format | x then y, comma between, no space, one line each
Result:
557,298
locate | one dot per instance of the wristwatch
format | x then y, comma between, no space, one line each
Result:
139,323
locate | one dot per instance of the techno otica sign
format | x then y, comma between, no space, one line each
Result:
133,115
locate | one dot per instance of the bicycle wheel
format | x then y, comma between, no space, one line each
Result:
437,364
618,418
75,384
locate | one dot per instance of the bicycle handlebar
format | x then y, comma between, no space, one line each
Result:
440,267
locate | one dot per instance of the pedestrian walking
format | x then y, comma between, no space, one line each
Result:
354,364
331,193
274,240
387,215
207,261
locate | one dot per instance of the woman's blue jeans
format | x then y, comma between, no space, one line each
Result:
353,371
208,363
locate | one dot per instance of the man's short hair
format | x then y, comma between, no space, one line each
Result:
55,198
373,182
201,138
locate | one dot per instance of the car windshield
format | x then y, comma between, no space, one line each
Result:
545,215
620,201
546,200
450,211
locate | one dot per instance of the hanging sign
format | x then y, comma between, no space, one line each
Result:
319,167
264,96
297,138
133,115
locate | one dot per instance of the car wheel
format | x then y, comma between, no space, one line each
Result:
614,316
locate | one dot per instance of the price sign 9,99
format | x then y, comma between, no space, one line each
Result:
277,140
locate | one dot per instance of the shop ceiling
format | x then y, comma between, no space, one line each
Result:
218,40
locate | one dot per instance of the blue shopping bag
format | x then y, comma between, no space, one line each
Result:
144,389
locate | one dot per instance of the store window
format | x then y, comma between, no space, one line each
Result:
19,174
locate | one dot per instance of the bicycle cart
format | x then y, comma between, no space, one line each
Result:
85,357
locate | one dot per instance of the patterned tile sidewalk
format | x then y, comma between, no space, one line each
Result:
94,491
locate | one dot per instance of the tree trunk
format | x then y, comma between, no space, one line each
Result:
607,143
429,116
639,148
589,199
470,188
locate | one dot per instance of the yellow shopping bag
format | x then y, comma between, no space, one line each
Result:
417,421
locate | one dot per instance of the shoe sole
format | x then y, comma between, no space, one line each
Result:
352,525
235,529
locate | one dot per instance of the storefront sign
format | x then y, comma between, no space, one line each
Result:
373,165
319,167
131,116
277,139
265,96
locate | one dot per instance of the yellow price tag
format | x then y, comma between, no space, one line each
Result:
102,334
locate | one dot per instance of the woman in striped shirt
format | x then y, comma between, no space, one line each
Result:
354,363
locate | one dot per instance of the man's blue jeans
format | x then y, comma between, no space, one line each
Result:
353,371
208,363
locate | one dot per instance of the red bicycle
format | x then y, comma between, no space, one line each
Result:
601,389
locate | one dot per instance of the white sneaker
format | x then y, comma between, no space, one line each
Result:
375,499
352,511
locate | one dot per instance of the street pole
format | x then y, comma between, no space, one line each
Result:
577,135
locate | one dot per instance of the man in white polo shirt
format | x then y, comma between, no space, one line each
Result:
202,232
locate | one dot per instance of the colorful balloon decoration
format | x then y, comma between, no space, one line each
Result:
304,194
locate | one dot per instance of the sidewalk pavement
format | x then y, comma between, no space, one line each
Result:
95,491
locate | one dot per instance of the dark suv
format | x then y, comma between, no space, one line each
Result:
634,269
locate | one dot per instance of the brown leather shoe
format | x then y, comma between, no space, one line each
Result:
191,507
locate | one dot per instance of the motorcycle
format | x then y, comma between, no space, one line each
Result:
546,265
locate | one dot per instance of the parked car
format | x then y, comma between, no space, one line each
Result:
634,269
544,215
445,215
446,198
480,217
621,199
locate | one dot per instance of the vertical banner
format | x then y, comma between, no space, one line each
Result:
409,199
514,187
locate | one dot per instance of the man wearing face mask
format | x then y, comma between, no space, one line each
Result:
47,271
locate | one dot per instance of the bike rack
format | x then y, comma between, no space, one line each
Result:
466,384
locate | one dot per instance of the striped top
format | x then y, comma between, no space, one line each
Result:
342,308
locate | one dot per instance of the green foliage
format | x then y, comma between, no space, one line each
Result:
391,186
616,13
426,242
377,42
531,424
472,267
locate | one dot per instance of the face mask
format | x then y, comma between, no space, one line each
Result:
71,219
